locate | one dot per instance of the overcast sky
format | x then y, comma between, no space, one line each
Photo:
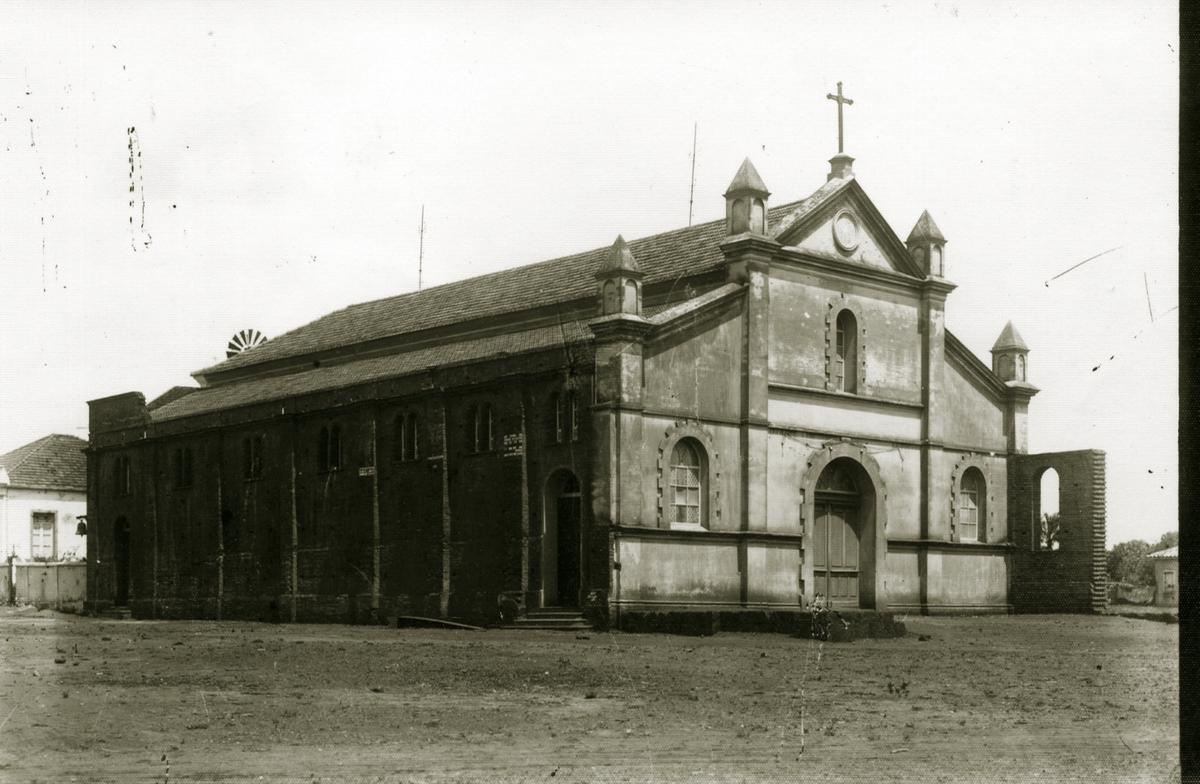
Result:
287,149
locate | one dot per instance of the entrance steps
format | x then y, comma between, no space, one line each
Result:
564,619
117,614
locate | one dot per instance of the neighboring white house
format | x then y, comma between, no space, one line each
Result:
1166,576
43,491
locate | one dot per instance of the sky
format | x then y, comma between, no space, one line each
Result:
282,154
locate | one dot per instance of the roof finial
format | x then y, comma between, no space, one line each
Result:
841,100
840,164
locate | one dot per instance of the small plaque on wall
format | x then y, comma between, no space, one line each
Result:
514,444
366,471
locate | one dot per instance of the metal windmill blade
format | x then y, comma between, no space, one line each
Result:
244,340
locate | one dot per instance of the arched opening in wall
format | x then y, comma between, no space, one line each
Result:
121,561
562,513
1047,525
843,538
846,353
631,297
612,297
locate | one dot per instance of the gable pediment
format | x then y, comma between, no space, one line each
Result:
848,227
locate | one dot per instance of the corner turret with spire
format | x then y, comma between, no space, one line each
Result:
1010,356
927,246
620,278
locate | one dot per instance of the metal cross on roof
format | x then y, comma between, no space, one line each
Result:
840,101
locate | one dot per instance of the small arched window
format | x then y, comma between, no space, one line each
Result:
972,507
329,448
252,457
406,437
123,475
566,416
480,422
688,482
845,360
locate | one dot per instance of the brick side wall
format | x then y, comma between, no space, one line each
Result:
1072,578
221,545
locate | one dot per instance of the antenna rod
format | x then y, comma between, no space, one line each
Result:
692,188
421,248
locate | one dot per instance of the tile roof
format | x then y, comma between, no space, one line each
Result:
1170,552
336,376
673,254
55,462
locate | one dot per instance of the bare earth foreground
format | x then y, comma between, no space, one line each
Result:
1047,698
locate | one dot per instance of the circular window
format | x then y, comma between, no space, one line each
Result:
845,231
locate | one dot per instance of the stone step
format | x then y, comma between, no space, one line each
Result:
118,614
553,613
527,626
552,620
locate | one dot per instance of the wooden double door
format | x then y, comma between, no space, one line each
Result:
836,536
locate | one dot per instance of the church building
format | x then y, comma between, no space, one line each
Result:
733,417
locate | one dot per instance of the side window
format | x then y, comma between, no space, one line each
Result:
42,541
329,448
405,433
480,422
252,457
972,507
688,483
123,475
181,465
566,416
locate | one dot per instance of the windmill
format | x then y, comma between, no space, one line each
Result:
244,340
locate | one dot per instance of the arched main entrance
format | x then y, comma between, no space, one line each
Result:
121,562
561,515
843,535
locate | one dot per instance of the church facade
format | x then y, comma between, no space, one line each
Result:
737,416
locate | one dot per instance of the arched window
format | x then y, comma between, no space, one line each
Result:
566,416
972,507
252,457
687,483
480,422
560,424
845,362
329,448
181,461
410,431
1020,367
406,436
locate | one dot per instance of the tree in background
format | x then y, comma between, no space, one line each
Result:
1049,532
1127,561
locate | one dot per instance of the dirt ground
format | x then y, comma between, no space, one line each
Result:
1024,698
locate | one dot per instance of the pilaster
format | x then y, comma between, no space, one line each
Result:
748,262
